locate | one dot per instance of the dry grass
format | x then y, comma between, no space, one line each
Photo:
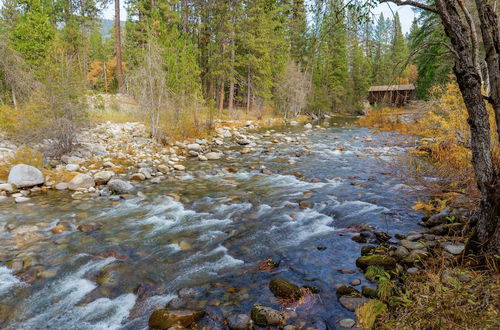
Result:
429,302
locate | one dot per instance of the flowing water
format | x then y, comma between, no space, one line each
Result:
209,229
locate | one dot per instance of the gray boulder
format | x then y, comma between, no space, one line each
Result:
120,187
103,177
24,176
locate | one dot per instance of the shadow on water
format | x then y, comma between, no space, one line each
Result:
209,229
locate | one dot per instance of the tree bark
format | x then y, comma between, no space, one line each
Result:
221,96
249,93
118,47
231,75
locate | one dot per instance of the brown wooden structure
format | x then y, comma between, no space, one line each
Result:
397,95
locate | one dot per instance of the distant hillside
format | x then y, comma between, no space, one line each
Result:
107,25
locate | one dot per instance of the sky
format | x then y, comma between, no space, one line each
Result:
406,14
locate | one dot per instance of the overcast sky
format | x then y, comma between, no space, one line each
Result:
405,13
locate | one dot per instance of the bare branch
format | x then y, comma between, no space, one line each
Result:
411,3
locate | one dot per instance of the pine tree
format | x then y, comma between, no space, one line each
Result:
399,50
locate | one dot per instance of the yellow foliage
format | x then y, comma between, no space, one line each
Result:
367,314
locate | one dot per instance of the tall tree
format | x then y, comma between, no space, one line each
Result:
118,47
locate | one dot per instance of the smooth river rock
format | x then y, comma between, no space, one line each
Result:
24,176
81,181
120,187
164,318
264,316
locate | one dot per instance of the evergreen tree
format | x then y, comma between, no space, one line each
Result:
399,49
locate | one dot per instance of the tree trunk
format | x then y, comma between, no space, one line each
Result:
118,47
221,96
84,52
469,82
490,30
249,93
231,78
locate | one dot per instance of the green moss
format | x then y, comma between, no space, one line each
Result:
386,262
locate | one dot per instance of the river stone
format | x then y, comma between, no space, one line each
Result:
239,321
401,252
3,198
103,177
347,323
61,186
89,227
369,292
22,199
164,318
262,315
137,177
193,147
284,289
438,219
72,167
345,290
243,142
386,262
308,126
412,245
24,176
179,167
7,187
454,249
120,187
213,155
190,292
81,181
352,303
414,237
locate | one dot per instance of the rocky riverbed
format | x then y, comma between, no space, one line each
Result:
254,227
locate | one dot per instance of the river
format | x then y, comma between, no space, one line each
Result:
209,229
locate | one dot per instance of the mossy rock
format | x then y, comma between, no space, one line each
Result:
262,315
367,250
359,239
368,313
284,289
369,292
345,290
165,318
386,262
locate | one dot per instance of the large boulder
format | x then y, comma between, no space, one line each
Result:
213,155
284,289
262,315
352,303
165,318
120,187
25,176
81,181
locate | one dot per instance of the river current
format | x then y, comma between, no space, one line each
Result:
210,228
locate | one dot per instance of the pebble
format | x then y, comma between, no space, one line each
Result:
455,249
356,282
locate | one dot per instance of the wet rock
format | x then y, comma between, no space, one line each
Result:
89,227
446,229
59,228
345,290
243,142
367,249
262,315
184,245
213,155
454,249
284,289
7,187
215,313
266,171
177,303
347,323
352,303
415,256
103,177
81,181
191,292
386,262
347,271
312,289
356,282
410,245
120,187
239,322
22,199
414,237
369,292
359,239
381,236
290,327
145,290
24,176
164,318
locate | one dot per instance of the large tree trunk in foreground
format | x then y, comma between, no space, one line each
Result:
118,47
470,82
